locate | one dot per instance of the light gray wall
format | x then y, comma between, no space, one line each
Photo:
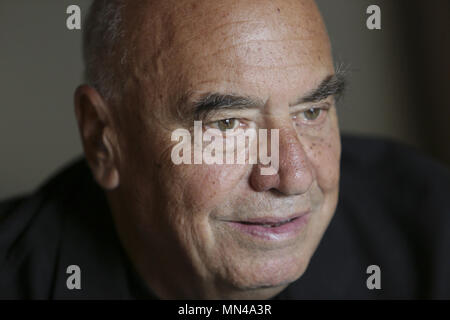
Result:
40,66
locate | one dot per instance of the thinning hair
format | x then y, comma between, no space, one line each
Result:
102,50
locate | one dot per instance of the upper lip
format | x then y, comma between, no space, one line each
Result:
271,220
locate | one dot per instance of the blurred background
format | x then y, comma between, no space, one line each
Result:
399,80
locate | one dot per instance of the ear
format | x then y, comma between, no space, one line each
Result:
98,136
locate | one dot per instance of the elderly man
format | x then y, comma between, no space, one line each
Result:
129,222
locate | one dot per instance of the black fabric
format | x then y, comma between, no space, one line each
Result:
393,211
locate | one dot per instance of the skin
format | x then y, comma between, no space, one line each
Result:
172,220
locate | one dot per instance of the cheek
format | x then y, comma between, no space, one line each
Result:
191,188
202,190
324,155
206,187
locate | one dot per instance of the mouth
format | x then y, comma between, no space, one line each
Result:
273,228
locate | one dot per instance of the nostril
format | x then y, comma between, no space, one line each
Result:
261,183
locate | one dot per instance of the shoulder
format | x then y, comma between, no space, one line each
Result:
30,232
397,201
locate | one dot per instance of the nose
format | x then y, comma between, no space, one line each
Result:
294,175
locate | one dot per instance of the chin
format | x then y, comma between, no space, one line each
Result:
262,288
270,275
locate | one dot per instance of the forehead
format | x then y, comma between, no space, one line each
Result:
256,46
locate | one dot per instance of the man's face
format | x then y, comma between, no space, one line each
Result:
208,230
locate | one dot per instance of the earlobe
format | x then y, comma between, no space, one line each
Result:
97,135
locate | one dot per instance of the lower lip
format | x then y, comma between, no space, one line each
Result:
284,231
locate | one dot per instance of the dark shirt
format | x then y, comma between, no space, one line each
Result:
393,212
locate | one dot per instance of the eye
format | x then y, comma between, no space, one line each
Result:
225,124
312,114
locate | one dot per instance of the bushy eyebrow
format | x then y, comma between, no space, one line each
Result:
211,102
332,85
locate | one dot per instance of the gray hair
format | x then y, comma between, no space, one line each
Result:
102,51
